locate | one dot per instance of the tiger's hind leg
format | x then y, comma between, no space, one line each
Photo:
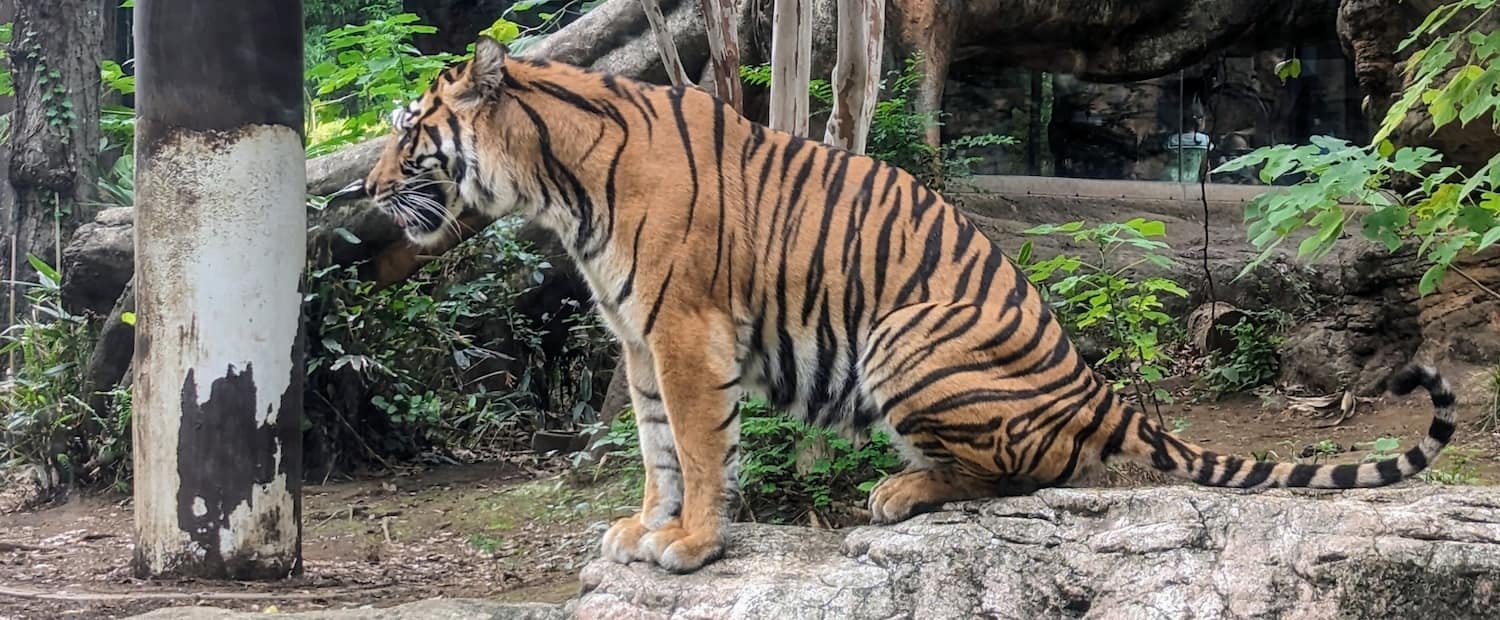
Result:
901,496
922,371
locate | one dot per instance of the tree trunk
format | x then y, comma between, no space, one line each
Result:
220,250
856,76
791,65
54,133
724,51
665,43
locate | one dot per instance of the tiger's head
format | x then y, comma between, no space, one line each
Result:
434,164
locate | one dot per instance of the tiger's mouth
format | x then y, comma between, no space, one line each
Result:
419,206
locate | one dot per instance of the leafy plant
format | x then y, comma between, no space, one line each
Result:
1253,361
1491,418
1457,468
525,23
7,86
774,487
1382,449
1321,450
1097,296
448,359
371,67
1448,211
47,422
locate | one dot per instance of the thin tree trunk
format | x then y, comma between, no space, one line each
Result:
791,65
53,141
664,42
856,75
724,51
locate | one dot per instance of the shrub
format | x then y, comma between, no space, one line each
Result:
1254,360
47,421
832,480
1095,296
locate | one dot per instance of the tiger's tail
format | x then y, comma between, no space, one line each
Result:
1167,453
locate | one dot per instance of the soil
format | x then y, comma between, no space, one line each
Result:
505,531
492,530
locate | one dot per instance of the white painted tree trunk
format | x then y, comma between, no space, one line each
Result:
856,75
724,51
669,57
791,65
220,237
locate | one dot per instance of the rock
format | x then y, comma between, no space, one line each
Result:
1379,322
432,609
1164,552
1207,327
97,262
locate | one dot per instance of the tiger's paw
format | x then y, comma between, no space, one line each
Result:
901,496
622,543
679,550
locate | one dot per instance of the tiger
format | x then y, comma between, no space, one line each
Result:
730,259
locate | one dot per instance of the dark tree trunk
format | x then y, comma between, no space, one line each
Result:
54,133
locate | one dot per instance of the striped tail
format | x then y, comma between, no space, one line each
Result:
1186,460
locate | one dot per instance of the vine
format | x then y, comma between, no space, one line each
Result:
55,102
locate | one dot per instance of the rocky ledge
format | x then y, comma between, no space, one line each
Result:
1161,552
1164,552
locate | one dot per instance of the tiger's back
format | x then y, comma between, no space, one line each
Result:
730,258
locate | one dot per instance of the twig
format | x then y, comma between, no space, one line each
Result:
1477,283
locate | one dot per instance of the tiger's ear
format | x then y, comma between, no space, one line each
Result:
487,71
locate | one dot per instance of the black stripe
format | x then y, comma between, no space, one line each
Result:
1417,459
1259,472
1345,476
656,305
1301,475
734,414
635,261
1441,430
687,147
1389,470
719,174
1207,462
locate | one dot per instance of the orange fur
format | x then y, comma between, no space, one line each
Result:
727,257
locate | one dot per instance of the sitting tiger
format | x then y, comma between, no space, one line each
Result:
729,258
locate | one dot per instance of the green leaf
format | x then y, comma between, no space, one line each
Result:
502,30
128,318
1489,239
1431,279
50,276
1289,69
346,235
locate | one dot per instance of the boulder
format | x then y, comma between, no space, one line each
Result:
1162,552
98,261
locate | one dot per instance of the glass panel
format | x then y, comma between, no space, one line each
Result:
1170,129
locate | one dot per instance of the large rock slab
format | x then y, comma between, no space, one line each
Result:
431,609
1163,552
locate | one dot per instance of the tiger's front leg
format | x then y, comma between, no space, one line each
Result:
662,499
698,375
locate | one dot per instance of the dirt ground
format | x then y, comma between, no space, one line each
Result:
508,531
491,530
